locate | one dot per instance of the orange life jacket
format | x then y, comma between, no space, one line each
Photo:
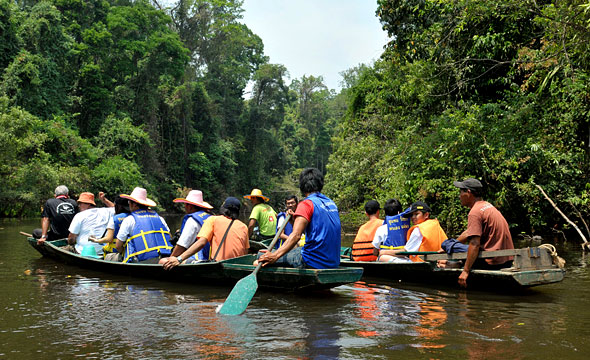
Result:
432,237
362,248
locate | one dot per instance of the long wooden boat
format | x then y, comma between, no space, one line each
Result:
280,277
226,272
532,267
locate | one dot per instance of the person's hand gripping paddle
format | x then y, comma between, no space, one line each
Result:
244,290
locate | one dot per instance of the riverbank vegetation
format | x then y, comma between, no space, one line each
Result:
107,95
496,90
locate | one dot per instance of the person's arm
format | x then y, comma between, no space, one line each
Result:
109,236
44,229
463,237
104,200
172,261
120,245
178,249
298,228
251,226
72,238
472,252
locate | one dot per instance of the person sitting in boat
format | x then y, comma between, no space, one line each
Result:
362,247
291,203
90,221
486,230
197,211
392,234
56,216
424,235
262,215
227,236
144,235
121,212
318,217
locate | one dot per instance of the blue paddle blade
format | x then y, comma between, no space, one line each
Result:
240,296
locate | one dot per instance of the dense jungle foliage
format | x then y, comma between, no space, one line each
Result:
111,94
492,89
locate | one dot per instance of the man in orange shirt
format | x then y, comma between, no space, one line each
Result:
362,248
214,228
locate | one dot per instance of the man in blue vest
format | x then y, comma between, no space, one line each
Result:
291,203
144,236
197,211
318,217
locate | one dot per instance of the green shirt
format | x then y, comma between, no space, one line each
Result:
266,218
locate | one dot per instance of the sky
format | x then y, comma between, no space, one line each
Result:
317,37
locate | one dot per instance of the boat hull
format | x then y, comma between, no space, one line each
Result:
226,272
428,273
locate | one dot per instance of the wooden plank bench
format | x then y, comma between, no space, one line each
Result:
531,258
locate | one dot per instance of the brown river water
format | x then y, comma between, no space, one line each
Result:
52,311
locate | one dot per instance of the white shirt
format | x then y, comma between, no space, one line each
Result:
414,241
127,227
90,222
380,236
188,236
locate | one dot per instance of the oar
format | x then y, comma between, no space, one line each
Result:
26,234
242,293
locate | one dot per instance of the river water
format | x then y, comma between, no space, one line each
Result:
52,311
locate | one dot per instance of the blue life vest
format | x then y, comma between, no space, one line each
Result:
111,247
149,237
199,217
397,230
322,235
288,228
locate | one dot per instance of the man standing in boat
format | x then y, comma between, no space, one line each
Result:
197,211
262,215
91,221
144,235
318,217
56,216
425,234
486,230
362,247
225,233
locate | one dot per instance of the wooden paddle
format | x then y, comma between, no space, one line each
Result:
242,293
26,234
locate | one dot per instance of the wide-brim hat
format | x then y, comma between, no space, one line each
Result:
256,193
139,195
194,197
87,197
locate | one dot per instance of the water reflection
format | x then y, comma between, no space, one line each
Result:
59,311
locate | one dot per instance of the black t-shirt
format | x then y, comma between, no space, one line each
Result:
60,212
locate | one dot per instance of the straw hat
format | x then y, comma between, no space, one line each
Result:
87,197
194,197
256,193
139,195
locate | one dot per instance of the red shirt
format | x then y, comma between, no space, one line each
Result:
305,209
